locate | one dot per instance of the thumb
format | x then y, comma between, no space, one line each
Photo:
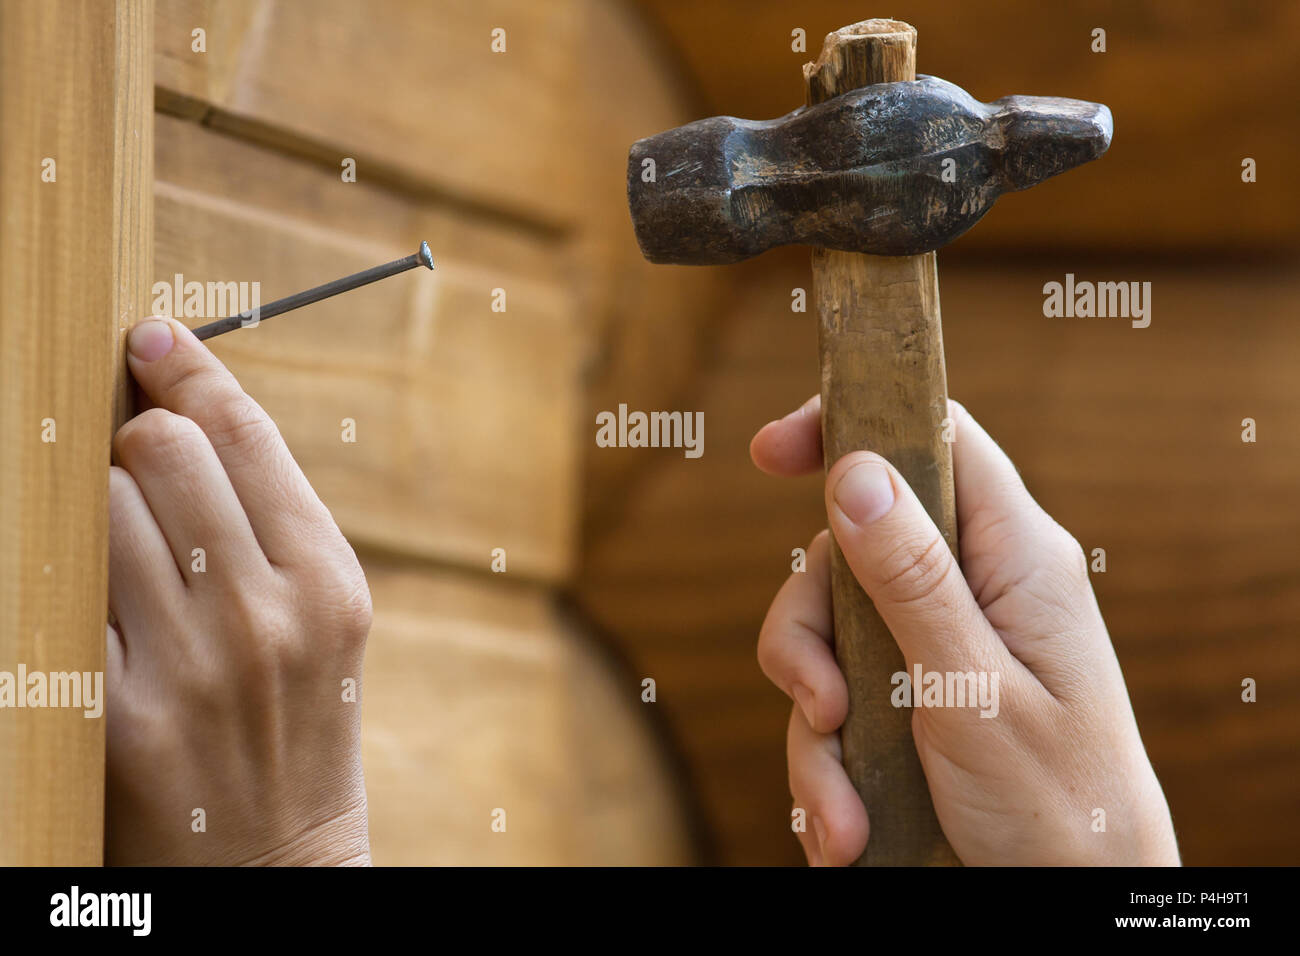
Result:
903,563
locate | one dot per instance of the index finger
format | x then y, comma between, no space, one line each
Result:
179,373
792,445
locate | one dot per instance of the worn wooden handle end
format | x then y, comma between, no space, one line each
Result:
883,389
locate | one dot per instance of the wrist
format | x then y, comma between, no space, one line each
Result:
341,840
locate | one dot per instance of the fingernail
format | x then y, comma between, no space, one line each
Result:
805,699
150,340
865,493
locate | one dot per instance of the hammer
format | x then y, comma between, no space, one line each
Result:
877,170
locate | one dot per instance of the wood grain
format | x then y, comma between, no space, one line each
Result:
534,108
190,82
74,259
883,389
467,419
290,74
551,733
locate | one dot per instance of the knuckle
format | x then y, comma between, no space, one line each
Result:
197,677
353,608
268,642
336,590
1069,552
262,621
154,432
190,378
781,634
765,650
914,570
241,426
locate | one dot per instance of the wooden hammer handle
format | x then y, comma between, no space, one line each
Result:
883,389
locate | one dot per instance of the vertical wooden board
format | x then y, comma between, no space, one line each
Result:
76,87
478,698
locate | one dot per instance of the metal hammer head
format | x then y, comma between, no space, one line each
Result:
893,169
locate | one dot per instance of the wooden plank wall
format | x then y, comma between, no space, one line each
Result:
432,376
480,691
74,270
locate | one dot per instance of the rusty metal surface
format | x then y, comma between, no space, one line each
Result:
890,169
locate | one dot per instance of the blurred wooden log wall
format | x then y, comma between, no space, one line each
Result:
481,691
1130,437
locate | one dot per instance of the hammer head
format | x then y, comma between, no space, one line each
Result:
893,169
